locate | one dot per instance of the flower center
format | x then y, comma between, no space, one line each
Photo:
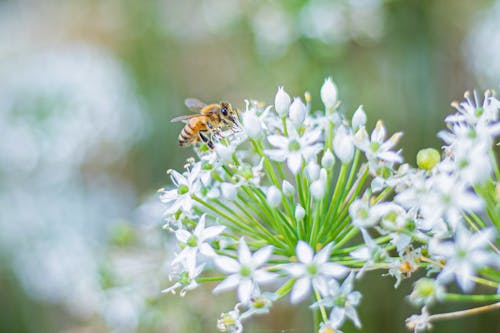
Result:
192,241
245,272
479,112
293,145
374,146
182,189
340,301
184,278
312,269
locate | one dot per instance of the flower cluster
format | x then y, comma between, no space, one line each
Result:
301,202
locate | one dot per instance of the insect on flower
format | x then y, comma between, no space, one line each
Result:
211,119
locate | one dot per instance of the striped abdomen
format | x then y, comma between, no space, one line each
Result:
190,132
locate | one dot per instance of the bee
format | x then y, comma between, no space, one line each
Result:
211,119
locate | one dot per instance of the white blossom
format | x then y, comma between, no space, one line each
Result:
329,93
244,273
312,271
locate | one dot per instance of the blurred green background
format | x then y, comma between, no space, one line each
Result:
87,91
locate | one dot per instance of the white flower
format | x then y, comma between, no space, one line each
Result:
251,124
180,198
464,255
230,321
273,196
448,197
328,160
363,216
312,270
244,273
297,112
229,191
299,212
419,323
329,93
375,147
342,300
318,187
186,280
343,145
224,152
287,188
281,102
312,171
294,148
359,118
194,242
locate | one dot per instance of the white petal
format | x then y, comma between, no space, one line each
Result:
278,141
211,232
261,256
301,290
244,254
229,283
262,276
200,226
276,155
304,252
245,289
294,162
227,265
207,250
182,235
323,255
295,270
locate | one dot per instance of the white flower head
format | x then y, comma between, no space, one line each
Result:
343,301
329,93
244,273
312,171
298,112
287,188
194,242
273,196
282,102
328,160
300,212
343,145
251,124
359,118
294,148
229,191
464,255
312,271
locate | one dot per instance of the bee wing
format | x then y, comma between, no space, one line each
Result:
194,104
186,117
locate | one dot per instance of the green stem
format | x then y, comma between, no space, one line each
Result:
470,298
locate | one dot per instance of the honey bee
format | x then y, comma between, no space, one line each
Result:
211,119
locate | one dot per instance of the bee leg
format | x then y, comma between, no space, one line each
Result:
207,140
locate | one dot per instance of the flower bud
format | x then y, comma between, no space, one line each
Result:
328,160
273,196
318,189
281,102
329,93
312,171
428,158
288,188
229,191
297,112
343,145
359,118
224,152
299,212
251,124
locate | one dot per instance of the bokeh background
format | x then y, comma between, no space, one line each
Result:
87,89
